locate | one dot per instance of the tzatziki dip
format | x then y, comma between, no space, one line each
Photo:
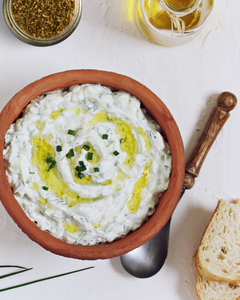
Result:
87,164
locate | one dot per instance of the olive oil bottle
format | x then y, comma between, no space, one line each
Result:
172,22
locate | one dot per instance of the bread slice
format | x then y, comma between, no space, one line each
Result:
213,290
218,256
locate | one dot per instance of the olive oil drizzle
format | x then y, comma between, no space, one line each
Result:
40,151
146,139
135,197
55,114
128,144
70,227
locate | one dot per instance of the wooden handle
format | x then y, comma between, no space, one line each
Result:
225,103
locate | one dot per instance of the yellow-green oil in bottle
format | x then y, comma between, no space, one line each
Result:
161,20
181,4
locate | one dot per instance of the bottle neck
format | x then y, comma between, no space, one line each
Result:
180,7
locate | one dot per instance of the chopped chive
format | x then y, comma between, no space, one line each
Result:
13,266
81,168
81,163
116,153
72,132
80,175
96,169
86,147
53,163
14,273
59,148
89,156
42,279
123,140
105,136
70,153
45,188
49,159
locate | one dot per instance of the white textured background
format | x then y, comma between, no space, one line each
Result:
188,80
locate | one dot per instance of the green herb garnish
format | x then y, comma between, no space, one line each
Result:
44,19
80,175
123,140
96,169
52,165
70,153
59,148
116,153
86,147
81,168
45,188
81,163
22,269
42,279
49,159
105,136
89,156
72,132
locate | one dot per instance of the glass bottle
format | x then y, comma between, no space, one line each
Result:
172,22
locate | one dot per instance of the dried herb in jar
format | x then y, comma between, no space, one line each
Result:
43,18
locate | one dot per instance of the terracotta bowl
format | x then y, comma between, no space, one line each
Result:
167,202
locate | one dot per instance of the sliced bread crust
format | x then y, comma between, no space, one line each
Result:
213,290
218,256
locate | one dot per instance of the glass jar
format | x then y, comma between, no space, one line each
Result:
172,22
41,41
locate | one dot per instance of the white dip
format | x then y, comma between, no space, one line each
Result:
86,164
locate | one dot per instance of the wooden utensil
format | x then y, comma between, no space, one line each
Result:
148,259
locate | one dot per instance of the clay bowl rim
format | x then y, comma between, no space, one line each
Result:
169,128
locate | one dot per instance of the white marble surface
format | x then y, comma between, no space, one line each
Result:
188,80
